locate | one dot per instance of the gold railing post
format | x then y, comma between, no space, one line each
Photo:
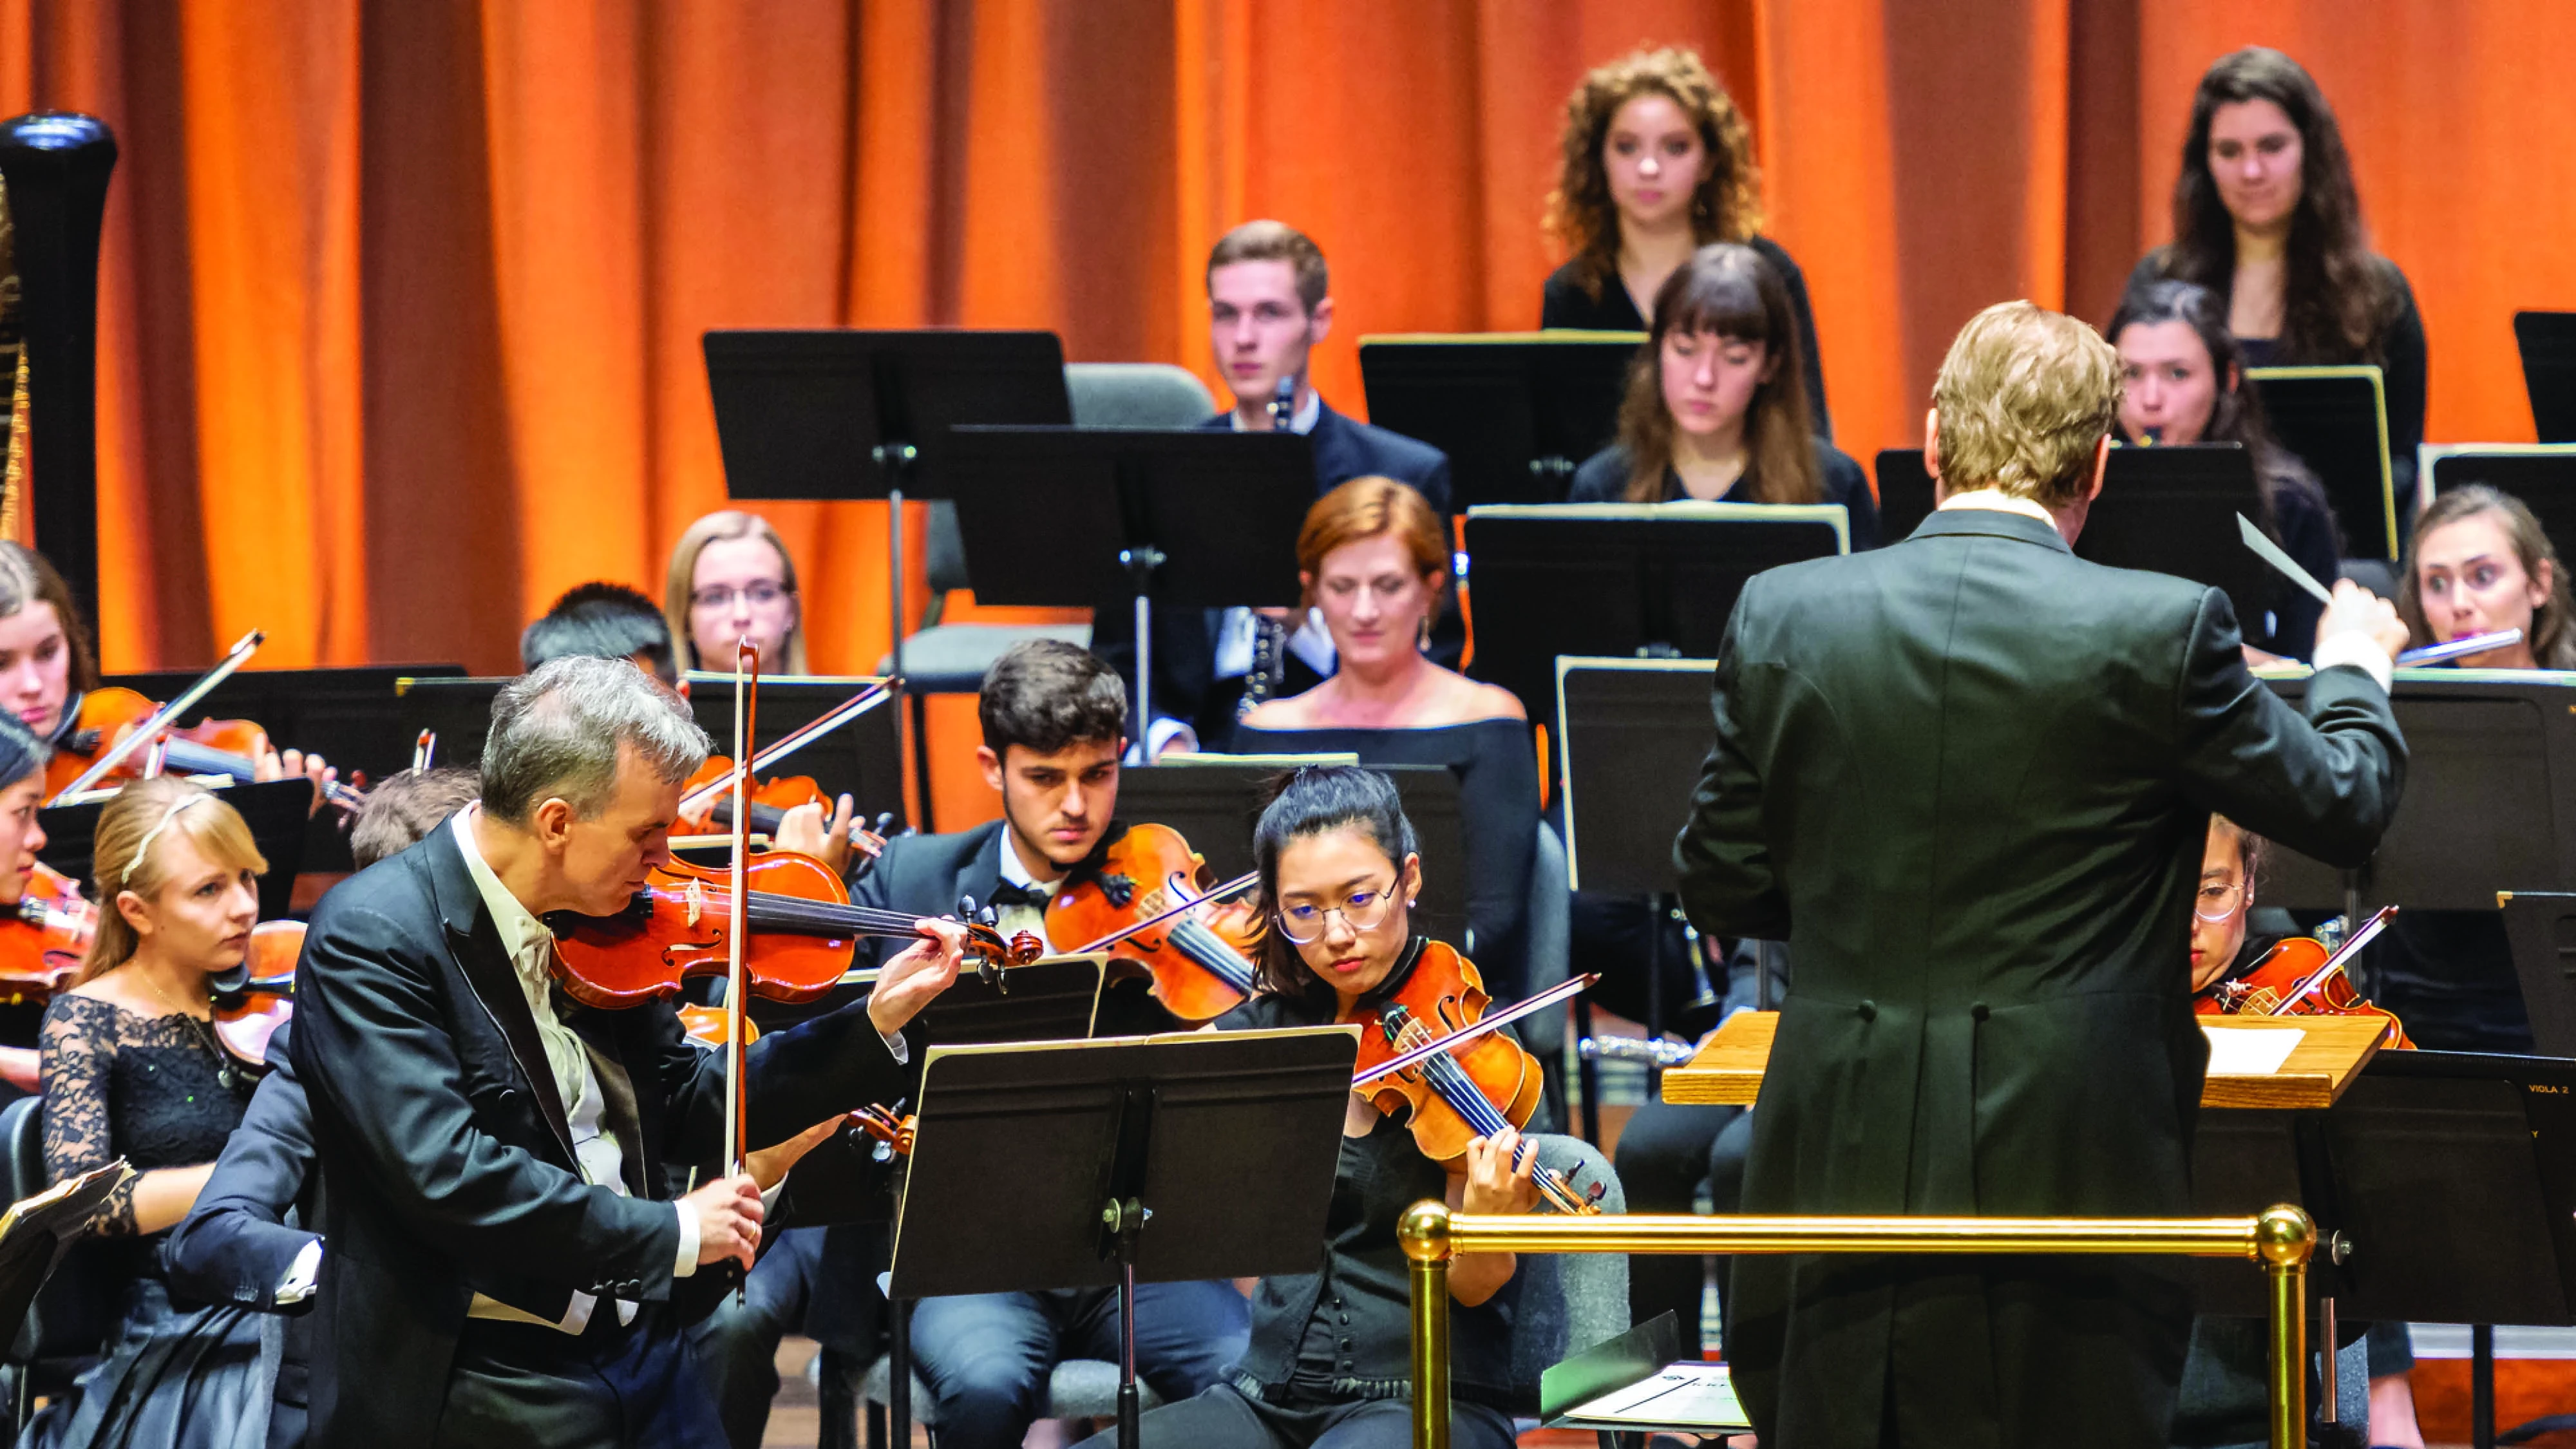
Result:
1424,1232
2283,1239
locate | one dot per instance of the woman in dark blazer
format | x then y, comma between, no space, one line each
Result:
1657,163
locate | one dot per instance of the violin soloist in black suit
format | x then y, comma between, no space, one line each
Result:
1968,779
451,1169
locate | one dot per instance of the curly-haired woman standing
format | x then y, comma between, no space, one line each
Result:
1657,163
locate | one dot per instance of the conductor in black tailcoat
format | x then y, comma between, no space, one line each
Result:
1968,778
501,1270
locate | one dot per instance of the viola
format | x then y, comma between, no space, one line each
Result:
2302,977
1451,1097
43,940
799,933
1147,904
109,715
257,997
771,799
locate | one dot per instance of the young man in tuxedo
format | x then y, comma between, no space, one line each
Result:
1968,779
1269,302
504,1254
1054,724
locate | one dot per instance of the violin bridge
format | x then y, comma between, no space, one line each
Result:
697,898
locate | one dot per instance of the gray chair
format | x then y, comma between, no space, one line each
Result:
1547,930
1570,1301
951,658
943,658
1078,1388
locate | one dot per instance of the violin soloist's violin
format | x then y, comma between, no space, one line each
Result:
1453,1097
1144,905
800,930
2302,977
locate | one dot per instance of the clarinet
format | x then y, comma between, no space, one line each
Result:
1269,636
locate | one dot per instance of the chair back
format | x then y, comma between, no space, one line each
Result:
1104,395
1570,1301
1547,934
76,1309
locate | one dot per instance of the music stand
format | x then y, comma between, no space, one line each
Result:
2167,509
844,413
2542,475
275,811
862,759
1108,1139
1178,518
2336,420
1632,735
1515,411
2489,753
1906,494
2448,1174
1657,578
2547,341
2540,930
1212,801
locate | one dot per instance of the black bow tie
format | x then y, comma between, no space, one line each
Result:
1007,894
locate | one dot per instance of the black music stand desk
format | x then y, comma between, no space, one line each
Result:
2542,475
2491,762
2336,420
1101,1164
1631,737
277,812
1516,412
1622,579
2169,510
1174,518
2547,342
845,413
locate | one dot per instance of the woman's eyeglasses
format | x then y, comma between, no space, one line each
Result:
1363,911
2218,901
760,595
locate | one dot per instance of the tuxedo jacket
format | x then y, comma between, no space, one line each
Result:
1185,639
437,1123
1968,778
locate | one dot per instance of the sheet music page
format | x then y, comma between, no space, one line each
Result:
2250,1052
1684,1395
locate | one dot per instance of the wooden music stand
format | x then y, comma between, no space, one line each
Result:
2331,1052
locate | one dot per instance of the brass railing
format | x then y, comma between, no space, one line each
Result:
2280,1239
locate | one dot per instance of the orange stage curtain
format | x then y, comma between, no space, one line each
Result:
401,301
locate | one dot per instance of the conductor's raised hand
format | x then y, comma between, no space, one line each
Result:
1499,1174
913,979
2357,610
728,1213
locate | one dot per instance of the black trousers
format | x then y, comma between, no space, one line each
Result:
1665,1152
520,1384
1222,1418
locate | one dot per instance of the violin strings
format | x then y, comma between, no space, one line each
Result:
1212,951
1470,1102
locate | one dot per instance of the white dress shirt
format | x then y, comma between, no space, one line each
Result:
601,1156
1011,920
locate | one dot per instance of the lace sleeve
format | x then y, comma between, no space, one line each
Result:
78,1052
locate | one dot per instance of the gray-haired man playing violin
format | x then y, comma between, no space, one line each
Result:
503,1268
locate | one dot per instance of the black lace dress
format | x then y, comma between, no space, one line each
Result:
153,1091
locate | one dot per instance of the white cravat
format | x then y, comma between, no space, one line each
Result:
601,1157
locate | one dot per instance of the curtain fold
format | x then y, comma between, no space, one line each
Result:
401,303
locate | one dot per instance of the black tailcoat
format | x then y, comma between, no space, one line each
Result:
1968,778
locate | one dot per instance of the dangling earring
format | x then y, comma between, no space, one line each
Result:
1423,641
